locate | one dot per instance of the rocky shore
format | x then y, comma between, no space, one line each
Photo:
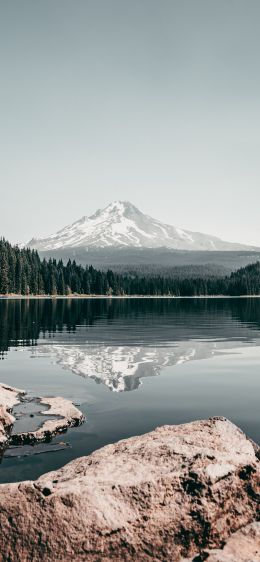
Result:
9,397
63,411
186,492
67,415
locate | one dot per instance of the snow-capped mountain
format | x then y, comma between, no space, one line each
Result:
122,225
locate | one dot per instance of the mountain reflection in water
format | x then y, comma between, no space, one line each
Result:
118,342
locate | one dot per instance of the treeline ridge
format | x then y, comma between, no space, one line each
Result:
23,272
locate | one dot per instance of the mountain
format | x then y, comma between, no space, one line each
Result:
122,225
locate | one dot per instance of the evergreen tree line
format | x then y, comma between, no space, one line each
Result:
23,272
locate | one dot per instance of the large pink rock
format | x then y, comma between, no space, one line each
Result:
164,496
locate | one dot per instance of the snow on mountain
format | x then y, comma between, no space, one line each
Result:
121,225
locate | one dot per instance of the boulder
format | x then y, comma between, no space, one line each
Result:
167,495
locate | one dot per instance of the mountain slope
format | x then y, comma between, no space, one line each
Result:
122,225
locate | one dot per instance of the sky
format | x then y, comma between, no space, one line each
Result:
152,101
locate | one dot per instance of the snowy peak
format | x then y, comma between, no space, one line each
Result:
120,225
117,208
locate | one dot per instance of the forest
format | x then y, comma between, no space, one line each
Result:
22,272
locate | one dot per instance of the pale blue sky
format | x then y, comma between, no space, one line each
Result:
157,102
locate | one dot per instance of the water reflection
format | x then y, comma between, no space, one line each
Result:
121,368
118,342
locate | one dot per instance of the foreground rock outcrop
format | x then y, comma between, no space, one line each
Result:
171,494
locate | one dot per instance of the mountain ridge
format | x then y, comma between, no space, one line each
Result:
122,225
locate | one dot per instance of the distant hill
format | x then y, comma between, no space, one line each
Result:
148,259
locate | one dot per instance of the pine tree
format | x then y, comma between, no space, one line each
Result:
4,269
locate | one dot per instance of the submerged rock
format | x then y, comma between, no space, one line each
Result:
38,449
172,493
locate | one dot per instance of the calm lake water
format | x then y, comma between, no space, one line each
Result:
131,365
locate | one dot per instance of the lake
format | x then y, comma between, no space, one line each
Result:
130,365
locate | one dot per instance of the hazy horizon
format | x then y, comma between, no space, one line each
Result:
153,102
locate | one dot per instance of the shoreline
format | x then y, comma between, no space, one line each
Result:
109,297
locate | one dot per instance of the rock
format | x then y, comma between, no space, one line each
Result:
164,496
68,416
242,546
9,396
35,449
